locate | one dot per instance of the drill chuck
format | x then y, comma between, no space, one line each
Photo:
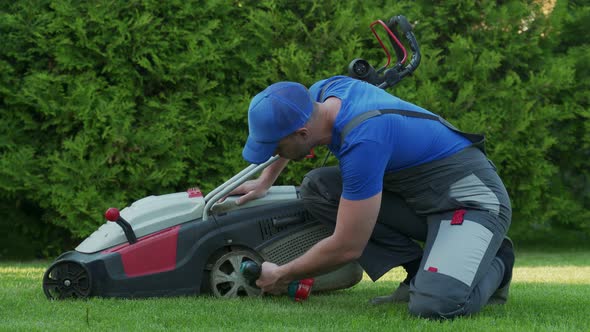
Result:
298,290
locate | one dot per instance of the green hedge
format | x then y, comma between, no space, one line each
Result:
103,103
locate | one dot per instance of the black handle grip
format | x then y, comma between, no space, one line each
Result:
394,75
405,27
402,22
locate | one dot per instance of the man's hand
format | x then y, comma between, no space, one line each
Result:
271,279
250,190
356,220
258,188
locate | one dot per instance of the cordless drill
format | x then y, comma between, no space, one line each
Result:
298,290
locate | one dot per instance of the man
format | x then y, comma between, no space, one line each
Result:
404,174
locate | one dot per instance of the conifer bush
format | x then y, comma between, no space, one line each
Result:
103,103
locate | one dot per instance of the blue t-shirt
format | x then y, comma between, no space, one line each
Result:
382,144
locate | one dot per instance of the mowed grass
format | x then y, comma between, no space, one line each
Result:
550,292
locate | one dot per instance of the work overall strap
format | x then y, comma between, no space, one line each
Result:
476,139
325,88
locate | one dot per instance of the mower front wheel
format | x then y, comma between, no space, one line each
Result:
67,279
225,278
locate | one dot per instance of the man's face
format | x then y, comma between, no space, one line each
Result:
293,147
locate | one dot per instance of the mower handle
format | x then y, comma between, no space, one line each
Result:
231,184
406,29
385,78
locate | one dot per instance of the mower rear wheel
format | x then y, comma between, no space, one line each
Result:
225,278
67,279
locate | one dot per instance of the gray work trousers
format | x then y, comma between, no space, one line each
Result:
457,206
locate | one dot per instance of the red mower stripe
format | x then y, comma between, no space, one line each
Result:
150,254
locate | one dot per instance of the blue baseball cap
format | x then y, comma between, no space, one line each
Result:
275,113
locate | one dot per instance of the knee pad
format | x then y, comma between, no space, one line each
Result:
437,296
428,306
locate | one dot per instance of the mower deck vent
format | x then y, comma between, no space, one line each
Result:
268,228
295,245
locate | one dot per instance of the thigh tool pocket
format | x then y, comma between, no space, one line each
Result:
458,248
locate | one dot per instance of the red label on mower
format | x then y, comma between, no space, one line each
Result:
194,192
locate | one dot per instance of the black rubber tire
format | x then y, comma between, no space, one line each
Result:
66,279
224,278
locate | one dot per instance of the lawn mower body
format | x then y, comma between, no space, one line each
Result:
179,253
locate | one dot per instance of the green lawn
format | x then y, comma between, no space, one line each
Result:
550,292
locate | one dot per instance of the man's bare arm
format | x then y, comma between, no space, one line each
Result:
356,220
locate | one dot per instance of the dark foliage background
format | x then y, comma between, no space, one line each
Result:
105,102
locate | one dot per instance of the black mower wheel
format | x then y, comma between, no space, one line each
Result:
67,279
225,278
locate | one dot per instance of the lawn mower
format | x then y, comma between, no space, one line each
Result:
188,243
